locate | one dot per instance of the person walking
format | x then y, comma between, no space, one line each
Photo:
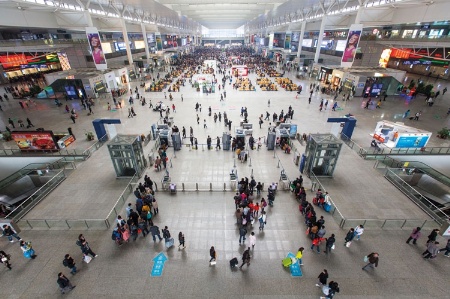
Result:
10,233
64,283
70,263
5,259
166,233
212,254
323,277
218,143
204,124
359,230
242,233
414,235
181,240
406,114
28,251
84,246
349,237
330,290
372,259
329,244
72,117
316,242
262,220
245,258
252,240
299,256
30,124
446,248
432,250
417,115
11,122
433,235
154,230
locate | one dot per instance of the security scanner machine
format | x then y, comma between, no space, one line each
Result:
322,152
271,141
240,138
127,155
163,133
248,128
282,137
226,141
176,141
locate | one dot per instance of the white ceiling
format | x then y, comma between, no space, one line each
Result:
217,14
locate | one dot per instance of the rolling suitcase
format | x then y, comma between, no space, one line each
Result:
234,262
169,242
287,262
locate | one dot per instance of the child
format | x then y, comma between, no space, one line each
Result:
109,106
252,240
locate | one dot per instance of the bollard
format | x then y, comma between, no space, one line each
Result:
252,172
224,187
196,186
250,165
170,163
234,160
210,187
274,153
278,166
203,148
182,187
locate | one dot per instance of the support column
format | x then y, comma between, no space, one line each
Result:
300,40
359,14
126,41
320,39
144,34
88,18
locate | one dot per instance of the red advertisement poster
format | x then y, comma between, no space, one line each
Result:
34,140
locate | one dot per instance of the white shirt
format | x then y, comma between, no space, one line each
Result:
252,240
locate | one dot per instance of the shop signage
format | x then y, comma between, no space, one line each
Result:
378,137
34,140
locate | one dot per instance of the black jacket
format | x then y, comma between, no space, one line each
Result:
69,262
63,282
330,241
323,278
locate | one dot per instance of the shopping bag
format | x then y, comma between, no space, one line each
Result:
366,259
87,259
169,242
348,244
213,263
327,207
333,247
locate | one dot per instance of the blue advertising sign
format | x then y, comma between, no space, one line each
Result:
158,264
293,131
411,141
294,267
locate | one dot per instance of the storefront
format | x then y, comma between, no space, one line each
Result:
398,135
17,65
325,75
239,71
121,76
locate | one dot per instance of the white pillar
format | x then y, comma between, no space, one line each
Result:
88,18
359,14
300,40
126,41
320,39
144,34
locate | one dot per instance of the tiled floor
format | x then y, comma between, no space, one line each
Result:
206,218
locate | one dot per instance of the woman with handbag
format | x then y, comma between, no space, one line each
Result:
28,251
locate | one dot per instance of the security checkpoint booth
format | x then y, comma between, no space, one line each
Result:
322,152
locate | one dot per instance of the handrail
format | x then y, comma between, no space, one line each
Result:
31,196
431,212
96,145
121,197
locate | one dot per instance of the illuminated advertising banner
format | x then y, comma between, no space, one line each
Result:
34,140
106,48
307,42
159,44
384,58
287,41
354,35
96,48
64,61
411,141
340,45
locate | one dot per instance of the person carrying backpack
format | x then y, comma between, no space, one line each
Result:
70,263
246,258
166,233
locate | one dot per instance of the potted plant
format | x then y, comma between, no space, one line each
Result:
89,136
443,133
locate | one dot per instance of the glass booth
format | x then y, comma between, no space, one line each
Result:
127,155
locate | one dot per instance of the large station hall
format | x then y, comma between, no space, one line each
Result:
225,150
